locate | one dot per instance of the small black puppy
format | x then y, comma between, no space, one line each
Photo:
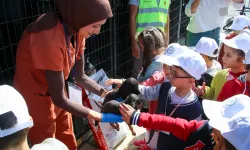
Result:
113,106
129,86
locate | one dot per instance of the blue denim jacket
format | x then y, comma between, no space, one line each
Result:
154,66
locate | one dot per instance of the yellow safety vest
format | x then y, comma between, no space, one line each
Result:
152,14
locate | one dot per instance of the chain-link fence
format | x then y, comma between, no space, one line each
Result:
109,50
178,21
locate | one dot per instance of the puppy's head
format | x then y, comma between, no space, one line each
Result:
111,96
129,86
132,100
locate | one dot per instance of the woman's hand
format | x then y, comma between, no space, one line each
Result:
111,118
126,111
94,115
111,81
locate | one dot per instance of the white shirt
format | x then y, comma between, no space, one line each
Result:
216,66
209,15
149,93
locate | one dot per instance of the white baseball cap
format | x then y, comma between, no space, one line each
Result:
231,118
241,41
240,22
50,144
247,58
12,101
207,46
189,60
173,50
247,31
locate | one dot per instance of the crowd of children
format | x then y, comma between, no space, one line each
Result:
191,75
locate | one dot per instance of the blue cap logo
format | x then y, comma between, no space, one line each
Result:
170,50
230,102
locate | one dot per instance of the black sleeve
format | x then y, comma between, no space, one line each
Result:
209,140
207,78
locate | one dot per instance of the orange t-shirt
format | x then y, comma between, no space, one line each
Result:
44,50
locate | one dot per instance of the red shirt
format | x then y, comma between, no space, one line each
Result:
234,87
192,134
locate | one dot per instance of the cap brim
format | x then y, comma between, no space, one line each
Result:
216,55
230,43
168,60
235,27
212,110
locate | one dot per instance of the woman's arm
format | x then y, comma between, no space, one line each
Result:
84,81
56,87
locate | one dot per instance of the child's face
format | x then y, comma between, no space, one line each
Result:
230,58
166,70
205,58
179,78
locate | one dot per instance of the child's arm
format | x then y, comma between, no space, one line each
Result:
209,91
178,127
149,93
217,83
156,78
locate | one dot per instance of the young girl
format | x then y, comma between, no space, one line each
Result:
152,42
234,55
240,23
240,85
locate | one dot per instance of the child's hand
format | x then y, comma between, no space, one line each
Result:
200,90
111,81
126,111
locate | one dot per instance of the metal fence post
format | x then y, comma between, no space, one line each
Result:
179,22
114,38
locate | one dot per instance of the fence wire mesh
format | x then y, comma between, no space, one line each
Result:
109,50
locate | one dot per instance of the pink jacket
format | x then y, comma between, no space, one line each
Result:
156,78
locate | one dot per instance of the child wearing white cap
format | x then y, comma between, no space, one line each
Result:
235,50
239,86
173,50
15,123
176,98
208,48
228,126
240,23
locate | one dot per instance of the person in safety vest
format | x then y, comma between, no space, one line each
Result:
143,14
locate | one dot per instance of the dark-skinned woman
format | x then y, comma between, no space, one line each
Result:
45,56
